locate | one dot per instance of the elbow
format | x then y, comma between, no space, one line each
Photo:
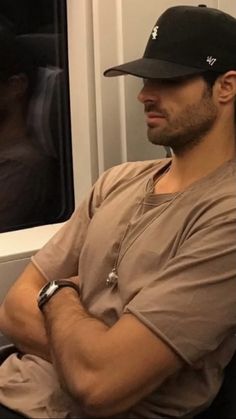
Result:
3,320
5,328
93,397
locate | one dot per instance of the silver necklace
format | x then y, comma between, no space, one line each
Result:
112,278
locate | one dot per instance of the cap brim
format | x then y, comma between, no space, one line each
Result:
149,68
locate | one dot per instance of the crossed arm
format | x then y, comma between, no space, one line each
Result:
20,319
107,370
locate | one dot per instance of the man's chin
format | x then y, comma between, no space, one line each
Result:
158,140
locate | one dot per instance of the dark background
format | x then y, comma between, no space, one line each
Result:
30,16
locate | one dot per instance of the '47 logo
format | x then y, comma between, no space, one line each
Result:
154,32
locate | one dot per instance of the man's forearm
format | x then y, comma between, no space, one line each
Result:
77,350
100,366
66,323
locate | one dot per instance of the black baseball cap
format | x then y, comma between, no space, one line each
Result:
186,40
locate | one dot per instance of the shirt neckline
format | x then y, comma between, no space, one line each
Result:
151,197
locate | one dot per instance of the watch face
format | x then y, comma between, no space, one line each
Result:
47,291
47,287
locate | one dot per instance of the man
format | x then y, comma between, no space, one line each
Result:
140,320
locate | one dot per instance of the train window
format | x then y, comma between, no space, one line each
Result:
36,176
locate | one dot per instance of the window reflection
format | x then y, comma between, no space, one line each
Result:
35,151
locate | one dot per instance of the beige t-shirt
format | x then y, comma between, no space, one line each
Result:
175,257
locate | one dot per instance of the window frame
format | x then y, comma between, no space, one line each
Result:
18,244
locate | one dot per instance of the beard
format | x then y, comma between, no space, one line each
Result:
188,129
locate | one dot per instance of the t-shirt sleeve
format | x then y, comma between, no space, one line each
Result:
191,303
59,258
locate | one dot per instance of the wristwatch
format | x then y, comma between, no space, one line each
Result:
49,289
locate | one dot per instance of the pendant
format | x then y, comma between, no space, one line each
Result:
112,278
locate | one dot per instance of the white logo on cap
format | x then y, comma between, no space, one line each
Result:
210,60
154,32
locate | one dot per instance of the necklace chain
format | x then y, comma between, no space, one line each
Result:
113,275
112,278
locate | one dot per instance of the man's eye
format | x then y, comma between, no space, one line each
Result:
173,82
166,82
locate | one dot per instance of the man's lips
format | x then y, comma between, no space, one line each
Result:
153,116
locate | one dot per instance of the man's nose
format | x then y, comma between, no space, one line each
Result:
141,95
146,94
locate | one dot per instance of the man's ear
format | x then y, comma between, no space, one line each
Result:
226,87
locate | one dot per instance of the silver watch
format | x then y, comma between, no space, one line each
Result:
49,289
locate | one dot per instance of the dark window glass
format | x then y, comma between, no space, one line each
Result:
36,177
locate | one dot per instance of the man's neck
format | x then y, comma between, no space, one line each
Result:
196,163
